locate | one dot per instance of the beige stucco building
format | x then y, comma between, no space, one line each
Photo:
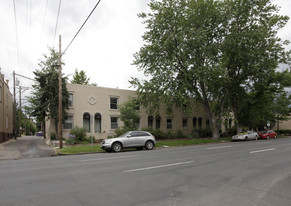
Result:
6,110
96,109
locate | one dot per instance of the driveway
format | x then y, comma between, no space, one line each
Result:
25,147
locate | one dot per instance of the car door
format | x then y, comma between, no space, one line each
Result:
251,135
131,140
142,138
271,134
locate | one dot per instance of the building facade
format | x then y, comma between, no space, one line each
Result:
96,109
6,110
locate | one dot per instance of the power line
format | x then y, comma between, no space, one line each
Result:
81,28
16,31
44,19
57,21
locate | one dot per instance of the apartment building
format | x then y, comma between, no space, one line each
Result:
6,110
96,109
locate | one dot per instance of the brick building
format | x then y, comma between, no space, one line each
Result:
6,110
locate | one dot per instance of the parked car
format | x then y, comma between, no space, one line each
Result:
267,134
248,135
132,139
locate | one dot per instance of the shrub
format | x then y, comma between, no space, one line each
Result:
179,134
90,139
202,133
79,133
53,136
71,141
160,135
284,131
230,132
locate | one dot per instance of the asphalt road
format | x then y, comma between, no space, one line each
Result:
240,173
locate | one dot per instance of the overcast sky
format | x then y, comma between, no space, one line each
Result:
104,48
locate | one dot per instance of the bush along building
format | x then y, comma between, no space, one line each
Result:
6,110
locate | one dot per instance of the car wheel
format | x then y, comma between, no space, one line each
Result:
116,147
256,137
246,138
268,137
275,137
149,145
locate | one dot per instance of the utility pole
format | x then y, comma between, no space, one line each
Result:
14,107
60,95
20,129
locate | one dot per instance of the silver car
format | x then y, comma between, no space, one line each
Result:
132,139
248,135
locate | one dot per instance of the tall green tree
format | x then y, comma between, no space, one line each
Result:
252,51
182,56
220,53
80,77
44,100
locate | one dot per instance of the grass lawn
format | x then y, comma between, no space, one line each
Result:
185,142
78,149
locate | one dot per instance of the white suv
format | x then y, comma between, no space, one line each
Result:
132,139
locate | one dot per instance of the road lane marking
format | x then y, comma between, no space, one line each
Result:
160,166
221,147
264,150
109,158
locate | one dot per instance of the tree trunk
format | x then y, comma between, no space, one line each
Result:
44,130
213,122
56,129
214,128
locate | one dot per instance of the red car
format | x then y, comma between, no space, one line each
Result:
267,134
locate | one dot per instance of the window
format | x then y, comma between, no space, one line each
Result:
169,123
150,121
184,108
0,94
113,102
207,123
194,122
137,105
185,123
200,122
158,122
86,121
114,122
229,123
226,124
69,122
97,122
7,122
70,100
136,123
169,110
138,134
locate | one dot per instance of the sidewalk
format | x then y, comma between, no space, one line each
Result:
8,153
25,147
